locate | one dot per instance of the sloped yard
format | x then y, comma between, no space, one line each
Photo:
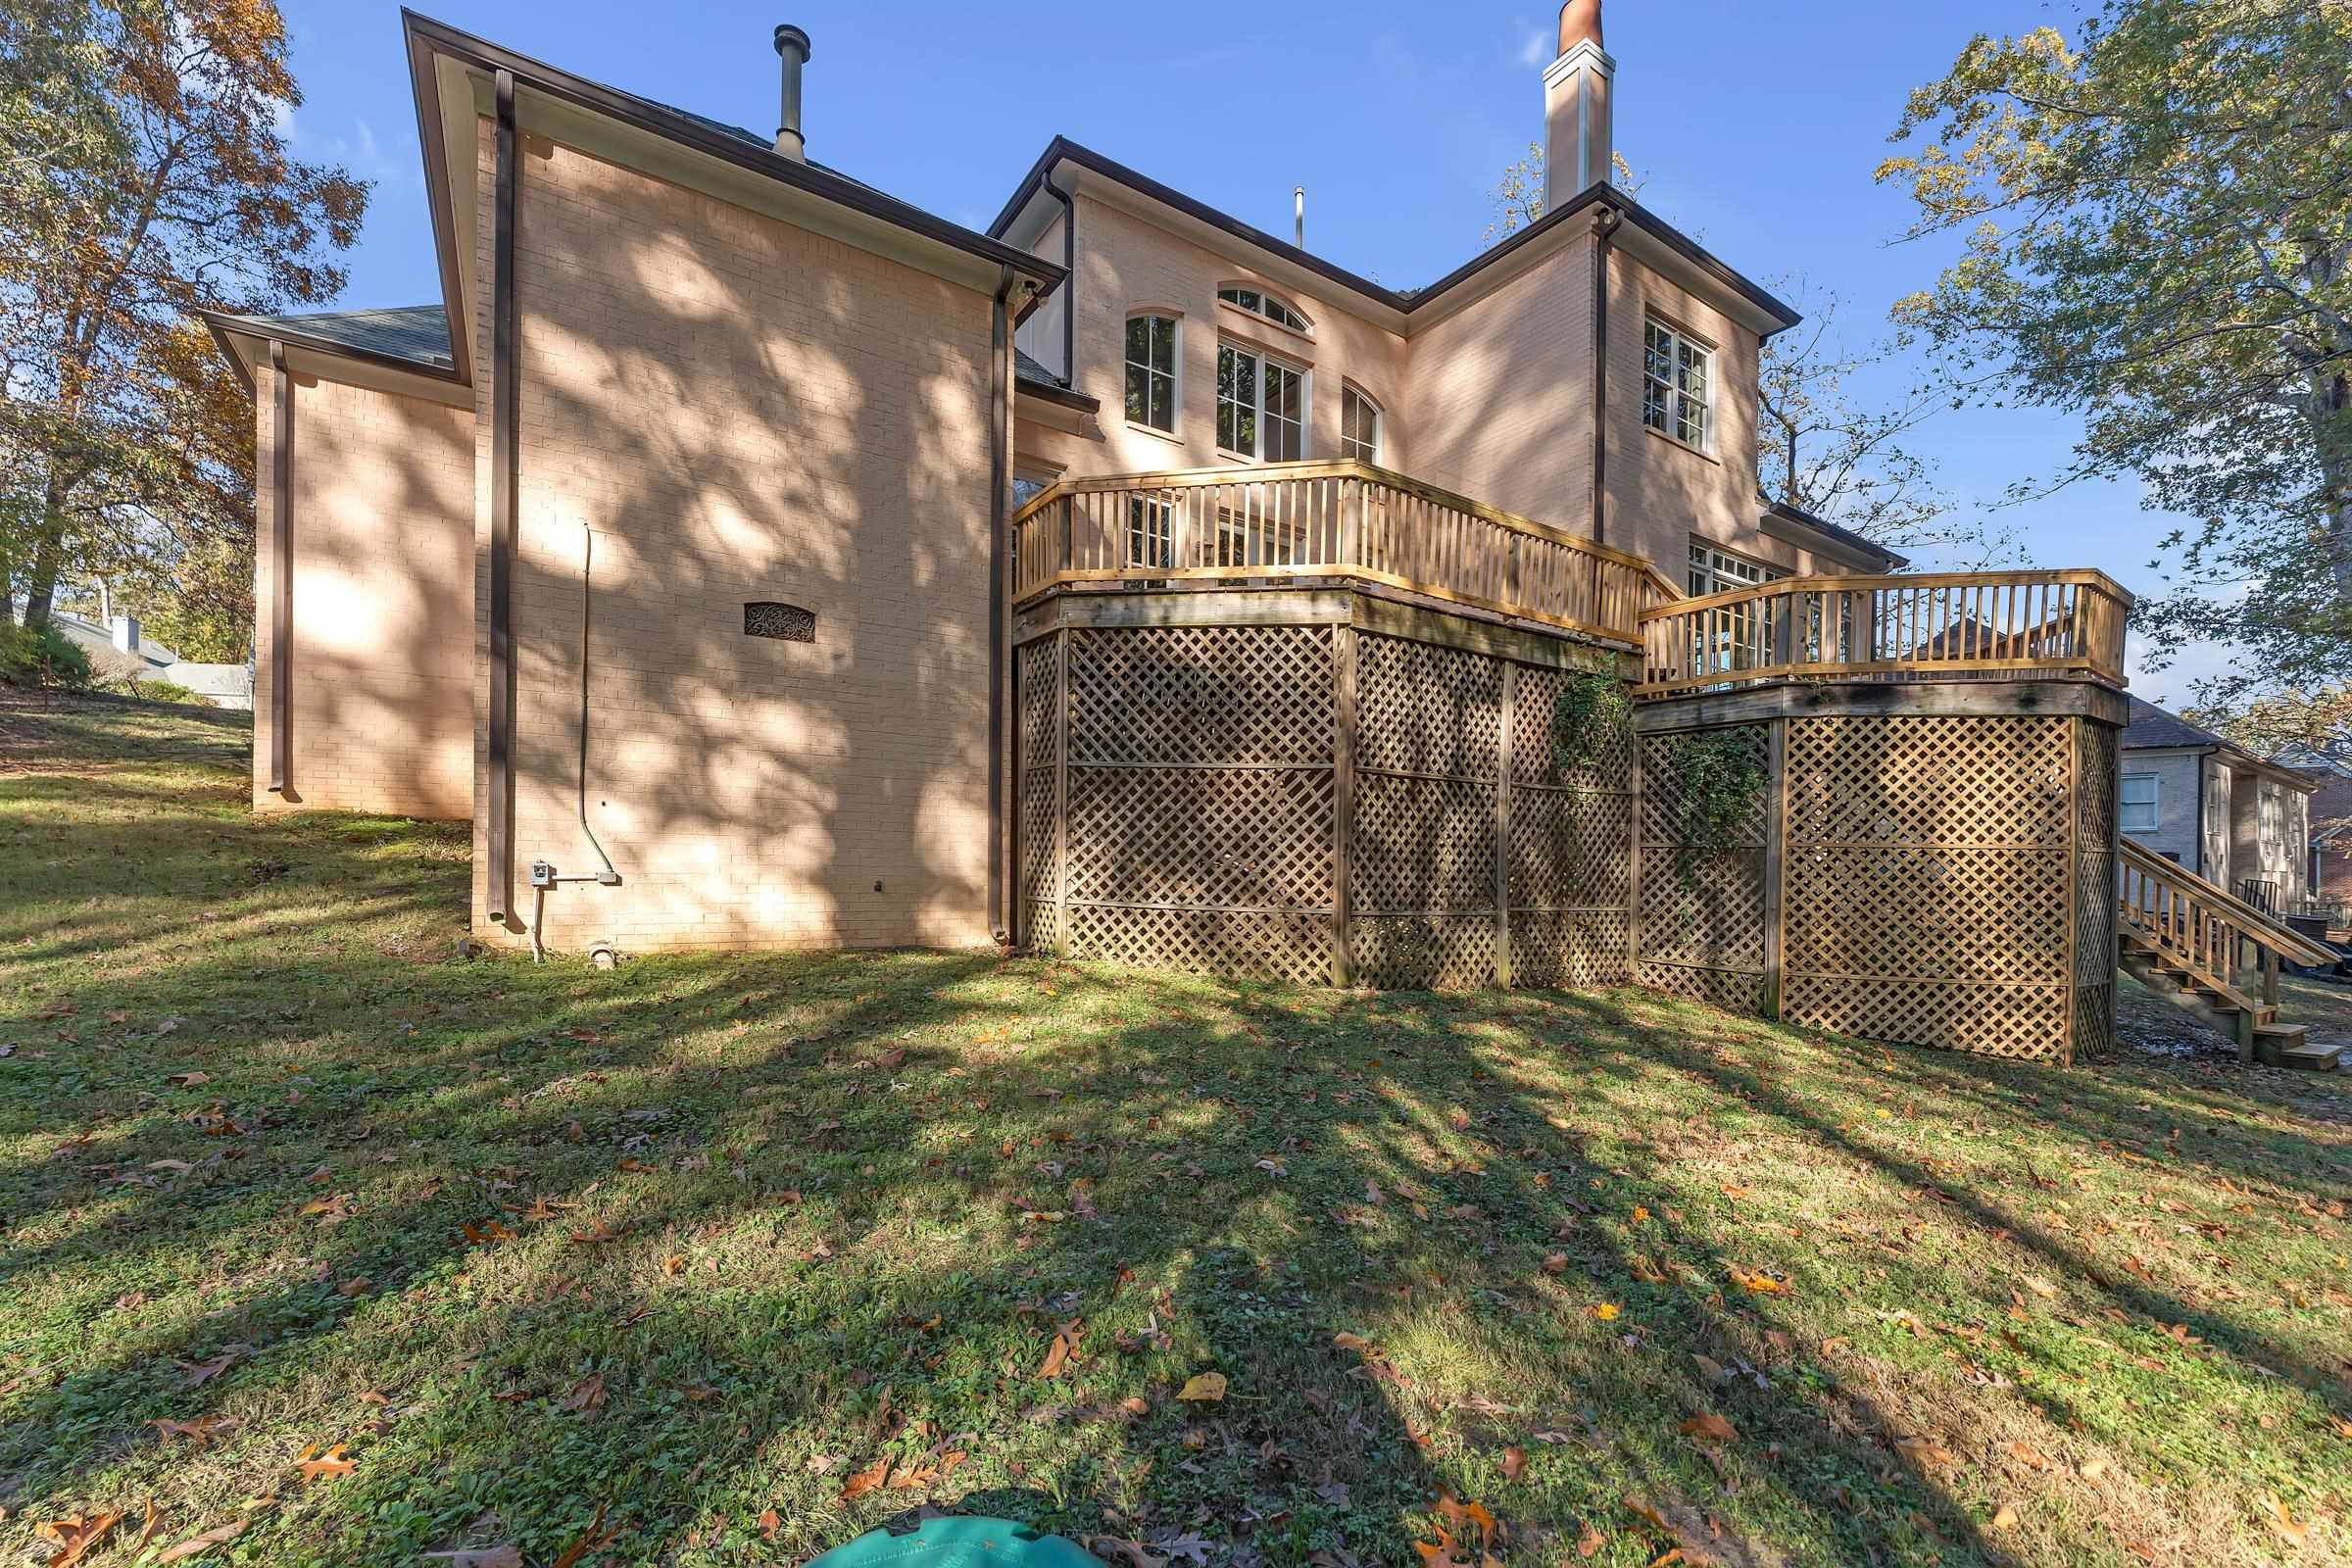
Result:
340,1248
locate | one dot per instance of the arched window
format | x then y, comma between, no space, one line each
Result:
1360,421
1257,302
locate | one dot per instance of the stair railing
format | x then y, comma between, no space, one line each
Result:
2203,929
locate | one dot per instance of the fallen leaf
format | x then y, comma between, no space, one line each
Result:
197,1546
1555,1263
196,1373
1514,1464
2281,1521
154,1518
1709,1428
587,1396
1121,1551
189,1080
589,1539
1924,1451
2094,1467
865,1481
1206,1389
2038,1286
770,1522
2004,1517
890,1061
674,1265
325,1466
78,1534
1607,1311
201,1431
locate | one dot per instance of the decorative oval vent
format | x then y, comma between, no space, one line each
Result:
764,618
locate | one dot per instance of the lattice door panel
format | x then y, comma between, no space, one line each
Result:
1292,947
1570,850
2097,754
1424,953
1574,949
1036,688
1251,837
1663,798
1041,926
1731,990
1534,709
1938,780
1035,673
1038,867
1201,694
2096,757
1712,915
1927,914
1423,843
2027,1022
1421,708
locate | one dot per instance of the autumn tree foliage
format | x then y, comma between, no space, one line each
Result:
145,174
2156,219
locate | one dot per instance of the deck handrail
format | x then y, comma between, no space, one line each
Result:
2201,928
1925,625
1341,518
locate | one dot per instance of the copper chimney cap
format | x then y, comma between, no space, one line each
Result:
1580,21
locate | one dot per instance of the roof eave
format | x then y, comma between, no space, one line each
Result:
225,325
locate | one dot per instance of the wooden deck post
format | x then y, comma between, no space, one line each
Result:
1502,828
1343,804
1062,791
1776,837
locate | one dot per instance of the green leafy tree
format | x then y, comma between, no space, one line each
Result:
1518,197
144,174
2156,223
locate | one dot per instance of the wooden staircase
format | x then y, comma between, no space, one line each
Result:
2194,946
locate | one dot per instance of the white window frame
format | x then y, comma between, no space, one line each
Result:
1266,307
1255,451
1669,397
2124,806
1349,444
1714,569
1174,374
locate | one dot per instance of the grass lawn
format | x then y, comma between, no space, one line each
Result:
746,1255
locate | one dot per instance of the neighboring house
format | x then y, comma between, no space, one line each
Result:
691,546
122,649
2236,819
2330,870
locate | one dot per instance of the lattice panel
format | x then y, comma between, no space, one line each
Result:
1994,1020
1035,675
1946,781
1575,949
2096,759
2095,1023
1415,952
1224,837
1201,694
1293,948
2094,919
1421,708
1535,706
1041,928
1037,835
1941,914
1569,849
1734,991
1714,916
1423,843
1662,794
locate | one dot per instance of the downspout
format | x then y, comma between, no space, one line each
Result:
281,545
999,467
1069,281
1604,230
504,429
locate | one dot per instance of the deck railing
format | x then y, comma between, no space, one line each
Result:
2203,929
1932,627
1343,520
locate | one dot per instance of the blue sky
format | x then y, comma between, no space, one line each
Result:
1757,126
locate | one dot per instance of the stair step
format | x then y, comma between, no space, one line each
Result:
2325,1056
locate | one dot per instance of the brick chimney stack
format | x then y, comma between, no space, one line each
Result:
1576,107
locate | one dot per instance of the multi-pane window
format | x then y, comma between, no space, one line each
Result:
1736,638
1151,371
1678,385
1262,406
1714,573
1150,532
2136,803
1359,425
1257,302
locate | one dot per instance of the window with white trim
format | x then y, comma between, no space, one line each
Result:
1257,302
1678,385
1713,571
1150,532
1359,425
1151,371
1262,406
2135,803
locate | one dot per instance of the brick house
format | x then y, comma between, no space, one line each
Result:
2242,822
681,569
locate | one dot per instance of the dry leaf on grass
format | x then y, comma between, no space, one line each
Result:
1119,1549
2279,1519
197,1546
589,1540
1206,1389
2004,1517
78,1534
587,1396
865,1481
1065,1345
1710,1428
1514,1464
315,1466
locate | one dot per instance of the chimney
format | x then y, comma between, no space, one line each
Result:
127,634
791,48
1576,107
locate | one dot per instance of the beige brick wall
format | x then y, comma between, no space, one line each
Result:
738,409
382,711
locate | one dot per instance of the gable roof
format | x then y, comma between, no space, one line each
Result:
1846,537
410,336
1403,301
2151,728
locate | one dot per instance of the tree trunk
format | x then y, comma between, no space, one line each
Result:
48,552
